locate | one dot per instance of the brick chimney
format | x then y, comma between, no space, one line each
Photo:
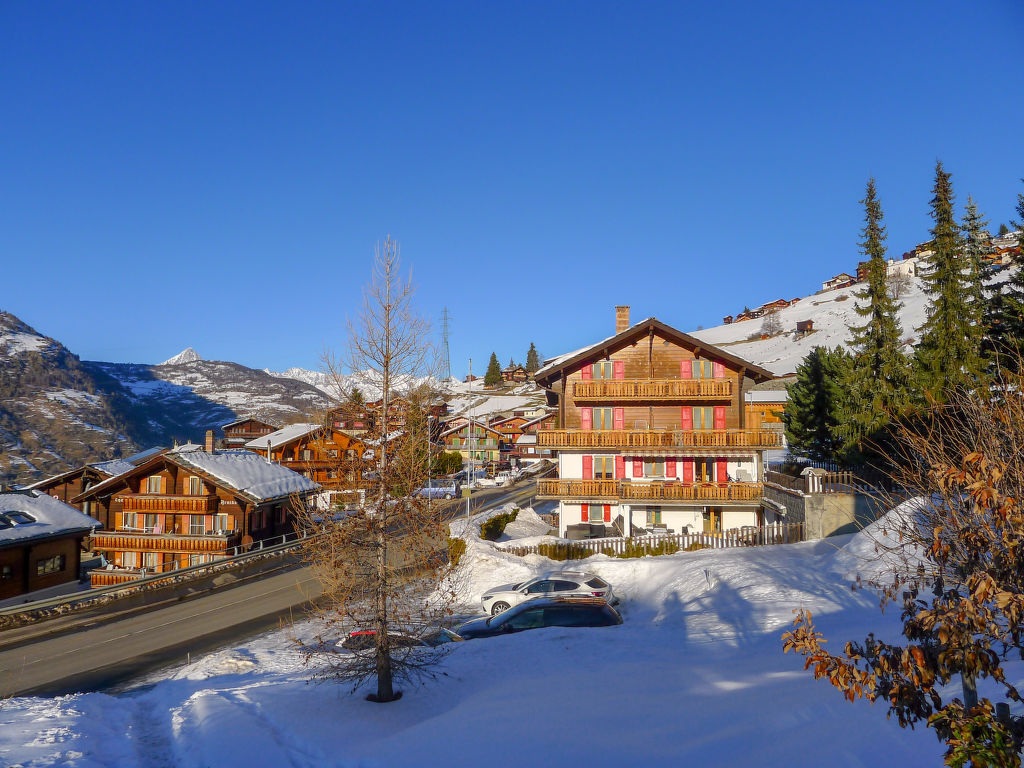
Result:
209,441
621,318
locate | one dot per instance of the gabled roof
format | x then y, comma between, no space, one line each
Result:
111,468
242,472
539,419
245,419
475,424
640,330
41,516
283,436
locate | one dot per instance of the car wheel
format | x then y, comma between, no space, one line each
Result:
448,496
499,607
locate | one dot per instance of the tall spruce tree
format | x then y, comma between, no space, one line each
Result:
879,374
493,376
1006,323
977,246
532,359
815,405
949,354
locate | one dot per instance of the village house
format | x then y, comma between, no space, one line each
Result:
514,374
40,542
526,450
474,441
842,280
351,417
653,435
238,433
192,505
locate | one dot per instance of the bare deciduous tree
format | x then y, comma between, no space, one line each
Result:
382,561
772,323
897,284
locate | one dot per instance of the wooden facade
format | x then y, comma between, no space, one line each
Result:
238,433
475,442
330,457
650,423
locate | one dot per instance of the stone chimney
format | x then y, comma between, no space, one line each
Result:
209,441
621,318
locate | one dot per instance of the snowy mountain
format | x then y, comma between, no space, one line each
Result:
187,355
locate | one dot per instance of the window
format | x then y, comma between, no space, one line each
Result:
307,454
130,559
703,470
195,560
333,453
654,468
703,418
154,484
196,525
539,587
6,573
281,512
603,370
596,513
150,522
221,524
527,619
604,468
48,565
654,515
603,418
130,521
150,560
702,369
195,486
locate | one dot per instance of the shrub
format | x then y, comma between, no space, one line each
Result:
456,549
642,549
495,526
564,551
694,547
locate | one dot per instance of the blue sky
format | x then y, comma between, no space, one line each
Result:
216,175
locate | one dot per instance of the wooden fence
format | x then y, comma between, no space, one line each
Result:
830,482
778,533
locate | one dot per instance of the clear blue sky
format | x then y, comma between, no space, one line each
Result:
215,175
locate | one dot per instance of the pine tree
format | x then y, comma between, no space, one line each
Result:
949,354
977,245
878,375
1006,324
1003,230
813,411
493,376
532,359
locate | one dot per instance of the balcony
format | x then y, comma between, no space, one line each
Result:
618,490
647,440
651,390
163,542
164,504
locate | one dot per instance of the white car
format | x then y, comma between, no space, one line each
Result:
552,584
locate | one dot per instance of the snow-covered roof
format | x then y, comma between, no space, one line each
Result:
113,467
768,396
244,419
248,473
475,424
186,448
528,439
282,436
141,456
539,419
41,516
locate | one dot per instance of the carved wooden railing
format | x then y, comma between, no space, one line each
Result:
163,542
168,503
657,490
587,489
676,438
653,389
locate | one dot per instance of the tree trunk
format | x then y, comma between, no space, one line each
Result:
385,690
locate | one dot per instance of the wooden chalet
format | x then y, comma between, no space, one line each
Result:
510,427
330,457
354,418
514,374
842,280
652,433
804,327
40,542
238,433
192,505
727,320
474,441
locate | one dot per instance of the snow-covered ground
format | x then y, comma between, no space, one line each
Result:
694,676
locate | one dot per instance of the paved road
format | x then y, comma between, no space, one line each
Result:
102,656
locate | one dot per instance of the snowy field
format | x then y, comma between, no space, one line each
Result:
695,676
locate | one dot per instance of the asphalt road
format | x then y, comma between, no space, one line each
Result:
106,655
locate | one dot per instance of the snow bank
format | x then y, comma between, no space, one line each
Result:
878,552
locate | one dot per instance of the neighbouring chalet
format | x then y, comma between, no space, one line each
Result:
71,484
328,456
354,418
514,374
842,280
238,433
510,427
192,505
526,450
474,441
40,542
652,433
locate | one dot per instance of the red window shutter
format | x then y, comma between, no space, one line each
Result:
587,418
686,417
585,512
207,522
670,468
719,417
721,470
618,369
638,468
588,372
161,524
687,470
618,418
685,372
588,467
620,467
719,370
607,513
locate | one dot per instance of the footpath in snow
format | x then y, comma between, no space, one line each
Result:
695,676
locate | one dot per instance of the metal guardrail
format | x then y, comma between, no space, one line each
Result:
262,547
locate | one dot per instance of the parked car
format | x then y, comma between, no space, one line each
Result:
363,639
544,612
438,489
551,584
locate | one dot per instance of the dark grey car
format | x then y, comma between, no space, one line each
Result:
543,612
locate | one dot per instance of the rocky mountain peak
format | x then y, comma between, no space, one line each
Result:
187,355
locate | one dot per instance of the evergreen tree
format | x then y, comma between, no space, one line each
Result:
949,354
878,375
815,405
1003,230
493,376
1006,325
532,359
977,245
355,396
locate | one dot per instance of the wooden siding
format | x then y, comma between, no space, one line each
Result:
649,491
652,390
650,439
163,542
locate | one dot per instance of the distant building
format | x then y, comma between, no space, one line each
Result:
803,327
238,433
842,280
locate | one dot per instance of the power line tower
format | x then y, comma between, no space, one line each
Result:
446,362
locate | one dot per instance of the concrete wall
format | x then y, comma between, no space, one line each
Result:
825,514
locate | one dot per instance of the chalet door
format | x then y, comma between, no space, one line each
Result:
712,520
702,470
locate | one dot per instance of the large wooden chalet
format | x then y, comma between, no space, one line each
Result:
238,433
474,441
653,434
192,505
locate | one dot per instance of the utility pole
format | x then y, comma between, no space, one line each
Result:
446,363
469,441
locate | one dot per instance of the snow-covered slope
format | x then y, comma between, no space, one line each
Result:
833,312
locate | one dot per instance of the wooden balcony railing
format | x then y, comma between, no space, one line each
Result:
166,503
163,542
651,439
655,390
586,489
657,490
